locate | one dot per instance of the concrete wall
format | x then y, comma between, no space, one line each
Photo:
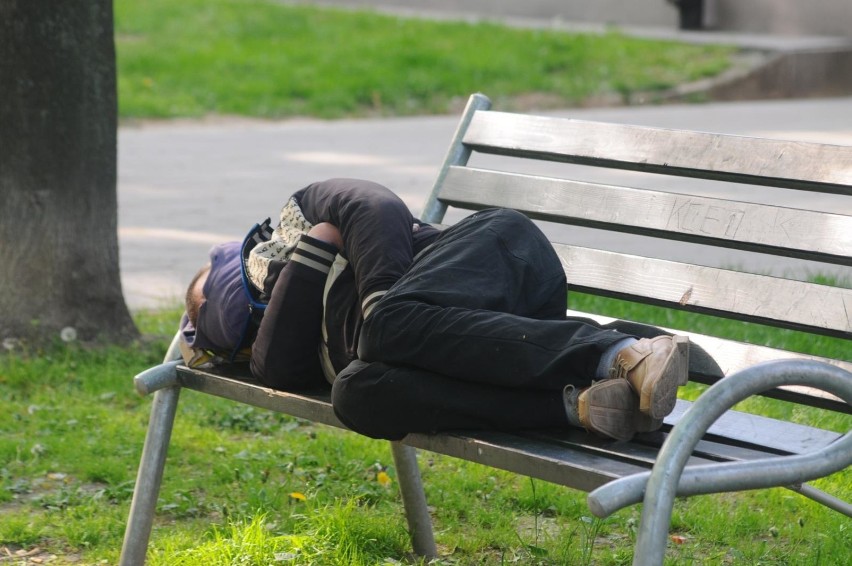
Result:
787,17
776,17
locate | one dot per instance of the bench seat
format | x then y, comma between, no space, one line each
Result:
546,455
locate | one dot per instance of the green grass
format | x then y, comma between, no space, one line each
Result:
261,58
246,486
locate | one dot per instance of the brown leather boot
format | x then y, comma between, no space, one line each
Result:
654,368
608,408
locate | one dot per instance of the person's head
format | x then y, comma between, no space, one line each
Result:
216,304
195,293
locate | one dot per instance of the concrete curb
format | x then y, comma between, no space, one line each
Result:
798,74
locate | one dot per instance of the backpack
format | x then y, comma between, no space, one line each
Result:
257,300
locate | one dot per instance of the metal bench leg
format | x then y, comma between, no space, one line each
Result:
664,479
150,476
414,500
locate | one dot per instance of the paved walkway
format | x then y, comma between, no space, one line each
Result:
184,186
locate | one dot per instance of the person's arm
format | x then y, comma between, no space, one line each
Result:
284,354
376,228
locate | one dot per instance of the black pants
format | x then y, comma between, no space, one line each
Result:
474,335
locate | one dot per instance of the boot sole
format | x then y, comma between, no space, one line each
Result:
658,397
644,423
610,408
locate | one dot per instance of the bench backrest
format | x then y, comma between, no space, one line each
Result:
656,187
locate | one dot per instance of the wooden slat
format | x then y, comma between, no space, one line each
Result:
566,457
796,165
731,294
735,436
763,228
556,463
315,407
643,449
760,433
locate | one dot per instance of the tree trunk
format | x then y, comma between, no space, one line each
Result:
58,204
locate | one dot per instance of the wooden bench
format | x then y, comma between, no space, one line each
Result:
689,222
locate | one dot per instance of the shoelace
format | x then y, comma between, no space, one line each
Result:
619,369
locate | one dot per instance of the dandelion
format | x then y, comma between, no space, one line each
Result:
298,496
68,334
383,478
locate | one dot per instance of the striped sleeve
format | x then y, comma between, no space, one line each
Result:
370,301
314,255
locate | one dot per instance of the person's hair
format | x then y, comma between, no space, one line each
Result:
192,300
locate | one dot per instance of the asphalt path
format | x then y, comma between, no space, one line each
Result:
184,186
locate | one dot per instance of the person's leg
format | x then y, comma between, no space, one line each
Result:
383,401
485,305
471,308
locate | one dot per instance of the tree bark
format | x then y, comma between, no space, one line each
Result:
58,204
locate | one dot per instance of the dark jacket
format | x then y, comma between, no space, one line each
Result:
318,298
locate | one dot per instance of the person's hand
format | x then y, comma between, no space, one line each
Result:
328,233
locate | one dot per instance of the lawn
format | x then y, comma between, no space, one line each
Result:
244,486
270,60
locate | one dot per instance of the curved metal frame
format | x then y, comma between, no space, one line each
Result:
669,479
457,154
162,380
